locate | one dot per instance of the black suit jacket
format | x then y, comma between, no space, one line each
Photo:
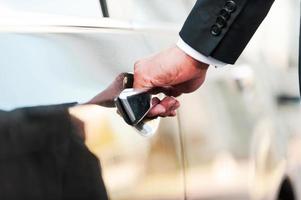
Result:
222,28
42,156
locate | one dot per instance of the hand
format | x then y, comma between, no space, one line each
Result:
172,72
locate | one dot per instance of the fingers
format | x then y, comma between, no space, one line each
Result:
189,86
165,108
179,89
168,91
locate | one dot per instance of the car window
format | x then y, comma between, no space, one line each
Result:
151,11
133,10
78,8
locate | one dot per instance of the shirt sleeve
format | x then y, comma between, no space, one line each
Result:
198,56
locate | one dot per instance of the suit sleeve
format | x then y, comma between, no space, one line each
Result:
222,28
38,129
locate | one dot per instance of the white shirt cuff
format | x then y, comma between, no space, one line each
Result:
198,56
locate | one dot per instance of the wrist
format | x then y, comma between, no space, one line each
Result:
198,55
193,62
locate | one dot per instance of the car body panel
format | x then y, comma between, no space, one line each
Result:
74,63
232,139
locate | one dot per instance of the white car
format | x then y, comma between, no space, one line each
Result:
238,137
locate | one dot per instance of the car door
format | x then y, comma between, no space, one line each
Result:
50,59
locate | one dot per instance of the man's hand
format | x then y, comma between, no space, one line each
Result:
172,72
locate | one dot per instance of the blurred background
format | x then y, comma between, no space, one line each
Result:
238,137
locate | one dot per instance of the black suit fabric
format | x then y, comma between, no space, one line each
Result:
234,27
215,29
42,156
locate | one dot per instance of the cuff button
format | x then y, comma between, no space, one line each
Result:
230,6
221,22
225,14
216,30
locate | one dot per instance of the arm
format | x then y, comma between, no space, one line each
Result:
215,32
222,29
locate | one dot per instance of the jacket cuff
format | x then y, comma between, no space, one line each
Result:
209,22
199,56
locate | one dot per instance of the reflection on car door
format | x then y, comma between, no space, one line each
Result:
71,63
